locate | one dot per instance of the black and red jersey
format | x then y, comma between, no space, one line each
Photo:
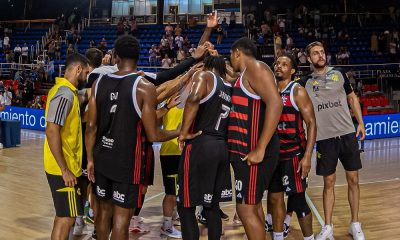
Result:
119,152
290,127
246,120
212,116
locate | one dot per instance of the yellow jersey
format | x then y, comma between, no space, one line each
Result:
170,122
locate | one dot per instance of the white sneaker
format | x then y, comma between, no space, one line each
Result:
326,233
171,232
356,231
176,219
139,227
78,229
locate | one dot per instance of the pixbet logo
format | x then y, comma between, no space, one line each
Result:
328,105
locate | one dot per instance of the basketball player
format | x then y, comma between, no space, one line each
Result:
252,139
63,145
204,173
330,90
295,151
122,116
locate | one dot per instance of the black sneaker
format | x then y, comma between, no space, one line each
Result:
286,230
224,217
94,235
268,227
201,217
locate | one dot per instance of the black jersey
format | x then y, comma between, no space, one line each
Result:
120,141
245,120
212,116
290,127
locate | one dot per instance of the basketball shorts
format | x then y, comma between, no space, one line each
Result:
169,168
124,195
287,179
67,200
149,164
204,173
344,148
251,181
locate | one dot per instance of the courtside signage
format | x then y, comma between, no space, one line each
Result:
376,126
30,118
382,126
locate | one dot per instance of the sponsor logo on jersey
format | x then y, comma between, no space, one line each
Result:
239,195
224,96
227,193
107,142
282,126
100,192
328,105
119,197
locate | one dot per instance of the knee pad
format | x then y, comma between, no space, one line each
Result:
297,203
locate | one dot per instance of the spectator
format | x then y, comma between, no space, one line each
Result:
51,49
351,75
343,56
178,30
70,50
92,44
17,53
168,30
8,95
186,44
302,57
281,23
1,44
192,50
37,103
181,55
289,42
6,42
329,58
265,29
393,51
153,56
178,42
25,54
120,28
58,50
103,45
166,62
232,20
278,41
220,34
133,25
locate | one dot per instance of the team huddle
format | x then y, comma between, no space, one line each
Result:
211,114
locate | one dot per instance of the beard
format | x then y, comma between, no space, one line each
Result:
319,65
279,78
81,84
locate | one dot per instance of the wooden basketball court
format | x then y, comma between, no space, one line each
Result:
26,208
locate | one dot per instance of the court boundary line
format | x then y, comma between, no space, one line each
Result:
362,183
315,211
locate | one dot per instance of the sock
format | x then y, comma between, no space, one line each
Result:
79,220
288,218
278,236
167,222
269,218
136,219
309,238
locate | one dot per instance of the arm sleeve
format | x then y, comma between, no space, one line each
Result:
60,106
173,72
346,85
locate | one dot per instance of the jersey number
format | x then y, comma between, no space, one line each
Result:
223,115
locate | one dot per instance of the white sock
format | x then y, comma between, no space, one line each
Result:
309,238
269,218
288,218
79,220
167,224
278,236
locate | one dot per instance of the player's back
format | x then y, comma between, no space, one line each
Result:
212,116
